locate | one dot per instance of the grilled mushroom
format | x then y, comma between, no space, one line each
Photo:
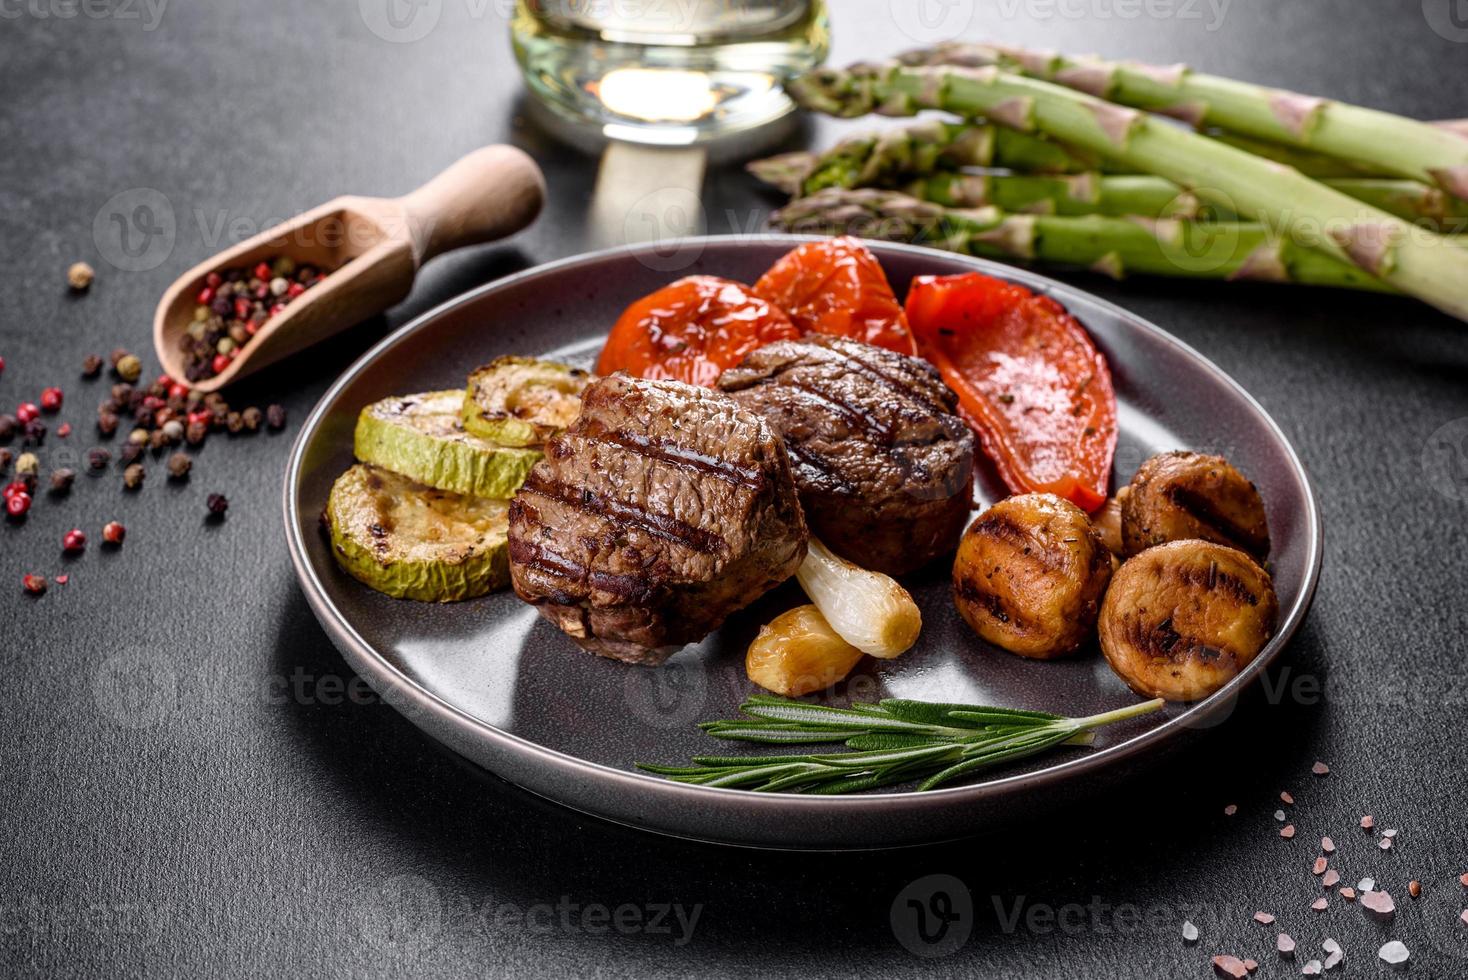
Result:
1181,619
1107,521
1180,495
1029,575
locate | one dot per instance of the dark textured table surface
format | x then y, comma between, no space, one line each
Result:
189,787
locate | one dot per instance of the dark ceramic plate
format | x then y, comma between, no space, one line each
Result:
499,685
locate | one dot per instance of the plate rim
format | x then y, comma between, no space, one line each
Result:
389,680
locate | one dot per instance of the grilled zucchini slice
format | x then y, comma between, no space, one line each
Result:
519,401
410,541
420,437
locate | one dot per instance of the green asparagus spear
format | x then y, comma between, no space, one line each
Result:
1073,194
880,158
1156,197
1380,141
1113,246
1412,260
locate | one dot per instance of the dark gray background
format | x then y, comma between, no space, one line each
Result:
186,790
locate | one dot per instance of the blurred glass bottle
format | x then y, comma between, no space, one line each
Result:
667,72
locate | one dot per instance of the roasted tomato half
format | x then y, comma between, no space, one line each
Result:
838,287
692,330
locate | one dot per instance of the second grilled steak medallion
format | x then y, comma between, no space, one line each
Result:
884,467
662,510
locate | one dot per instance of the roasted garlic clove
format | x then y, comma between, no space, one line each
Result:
799,653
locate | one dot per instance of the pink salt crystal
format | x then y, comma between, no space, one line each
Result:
1263,918
1230,810
1287,798
1463,879
1319,867
1367,823
1319,904
1334,959
1311,969
1464,917
1379,903
1251,965
1348,893
1385,843
1230,966
1331,877
1287,831
1327,845
1320,769
1286,945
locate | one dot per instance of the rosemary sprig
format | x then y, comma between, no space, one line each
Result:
894,741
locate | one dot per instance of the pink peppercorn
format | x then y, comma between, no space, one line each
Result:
51,399
73,541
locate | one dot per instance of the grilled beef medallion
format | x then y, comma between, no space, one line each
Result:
884,467
662,510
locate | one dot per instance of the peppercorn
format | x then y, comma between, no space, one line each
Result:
5,458
113,533
195,433
64,430
130,453
7,427
73,541
51,400
234,422
218,416
275,417
62,478
157,440
91,366
27,465
129,368
26,411
97,459
173,430
217,504
122,394
80,276
35,433
16,504
118,353
179,465
107,423
143,416
133,476
138,437
34,584
252,417
135,400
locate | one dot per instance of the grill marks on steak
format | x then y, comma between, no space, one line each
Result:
884,466
661,511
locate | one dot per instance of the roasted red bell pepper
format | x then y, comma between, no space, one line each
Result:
1029,381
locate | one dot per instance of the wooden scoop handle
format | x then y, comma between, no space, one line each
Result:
491,193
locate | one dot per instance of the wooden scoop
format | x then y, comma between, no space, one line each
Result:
372,247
